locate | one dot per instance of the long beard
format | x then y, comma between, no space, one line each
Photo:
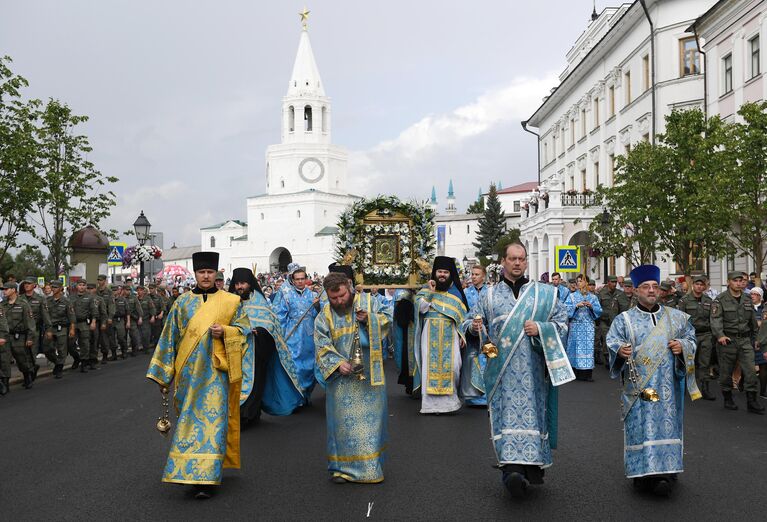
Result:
444,286
344,308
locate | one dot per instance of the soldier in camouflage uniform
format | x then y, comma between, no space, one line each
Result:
121,321
21,327
42,318
629,290
5,355
697,305
136,314
733,323
668,295
101,326
147,318
85,325
613,302
62,328
159,307
106,339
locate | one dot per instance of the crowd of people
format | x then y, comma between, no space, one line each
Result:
261,342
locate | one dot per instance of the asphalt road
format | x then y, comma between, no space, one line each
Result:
85,448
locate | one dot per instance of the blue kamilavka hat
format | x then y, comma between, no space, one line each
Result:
645,273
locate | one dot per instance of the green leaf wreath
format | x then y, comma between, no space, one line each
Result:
353,234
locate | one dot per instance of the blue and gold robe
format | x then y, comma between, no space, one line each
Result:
289,306
207,373
437,349
522,402
653,435
580,338
355,409
282,391
474,361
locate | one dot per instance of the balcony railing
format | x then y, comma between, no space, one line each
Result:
577,200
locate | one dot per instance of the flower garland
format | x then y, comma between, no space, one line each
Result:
137,254
416,240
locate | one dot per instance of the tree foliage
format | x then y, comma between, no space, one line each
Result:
477,207
492,225
665,198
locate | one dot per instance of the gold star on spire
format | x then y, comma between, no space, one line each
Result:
304,17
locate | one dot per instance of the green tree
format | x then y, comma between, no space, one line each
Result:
18,160
664,199
492,225
746,183
29,262
73,193
477,207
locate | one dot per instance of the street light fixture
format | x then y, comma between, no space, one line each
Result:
141,226
605,220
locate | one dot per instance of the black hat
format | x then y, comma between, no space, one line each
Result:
347,270
101,277
205,261
244,275
448,263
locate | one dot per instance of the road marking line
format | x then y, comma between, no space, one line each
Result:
370,508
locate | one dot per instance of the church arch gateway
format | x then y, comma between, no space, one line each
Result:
279,259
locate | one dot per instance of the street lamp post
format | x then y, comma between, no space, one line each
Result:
141,228
605,220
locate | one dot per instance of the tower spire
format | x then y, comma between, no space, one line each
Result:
304,18
450,192
305,79
594,14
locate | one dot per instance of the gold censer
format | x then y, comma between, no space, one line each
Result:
489,349
647,394
358,366
163,422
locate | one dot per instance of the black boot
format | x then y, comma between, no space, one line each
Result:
587,376
76,362
92,364
3,386
728,403
83,365
28,380
705,394
203,491
515,483
752,404
57,371
104,358
34,371
112,357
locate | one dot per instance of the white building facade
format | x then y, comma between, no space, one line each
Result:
621,80
306,178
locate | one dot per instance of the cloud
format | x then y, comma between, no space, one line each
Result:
471,144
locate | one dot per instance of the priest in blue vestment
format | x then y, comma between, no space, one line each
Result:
441,308
527,324
474,361
269,377
296,307
652,350
584,309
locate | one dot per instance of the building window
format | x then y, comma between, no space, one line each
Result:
610,169
572,182
562,134
730,263
596,112
554,145
308,118
727,73
611,101
689,57
583,180
291,119
646,137
468,229
645,72
262,216
516,206
545,153
596,174
298,213
628,148
449,231
324,119
282,183
583,123
231,239
572,131
212,242
753,45
627,86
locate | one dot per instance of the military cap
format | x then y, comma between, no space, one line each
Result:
628,282
665,285
612,279
220,275
8,285
30,279
140,287
55,284
101,277
114,287
81,282
90,285
700,278
734,274
151,286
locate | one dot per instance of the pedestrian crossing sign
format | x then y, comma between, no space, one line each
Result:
41,282
116,251
567,258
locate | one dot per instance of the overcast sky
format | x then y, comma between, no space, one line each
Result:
184,96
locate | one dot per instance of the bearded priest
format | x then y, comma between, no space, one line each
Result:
200,350
441,308
348,335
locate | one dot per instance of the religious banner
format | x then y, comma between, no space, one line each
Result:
388,242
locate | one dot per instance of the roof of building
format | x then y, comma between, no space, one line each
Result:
522,187
219,225
241,238
177,253
305,78
305,191
327,231
705,16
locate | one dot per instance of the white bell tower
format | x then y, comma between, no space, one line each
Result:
305,159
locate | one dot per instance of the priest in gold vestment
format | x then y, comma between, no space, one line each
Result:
200,353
